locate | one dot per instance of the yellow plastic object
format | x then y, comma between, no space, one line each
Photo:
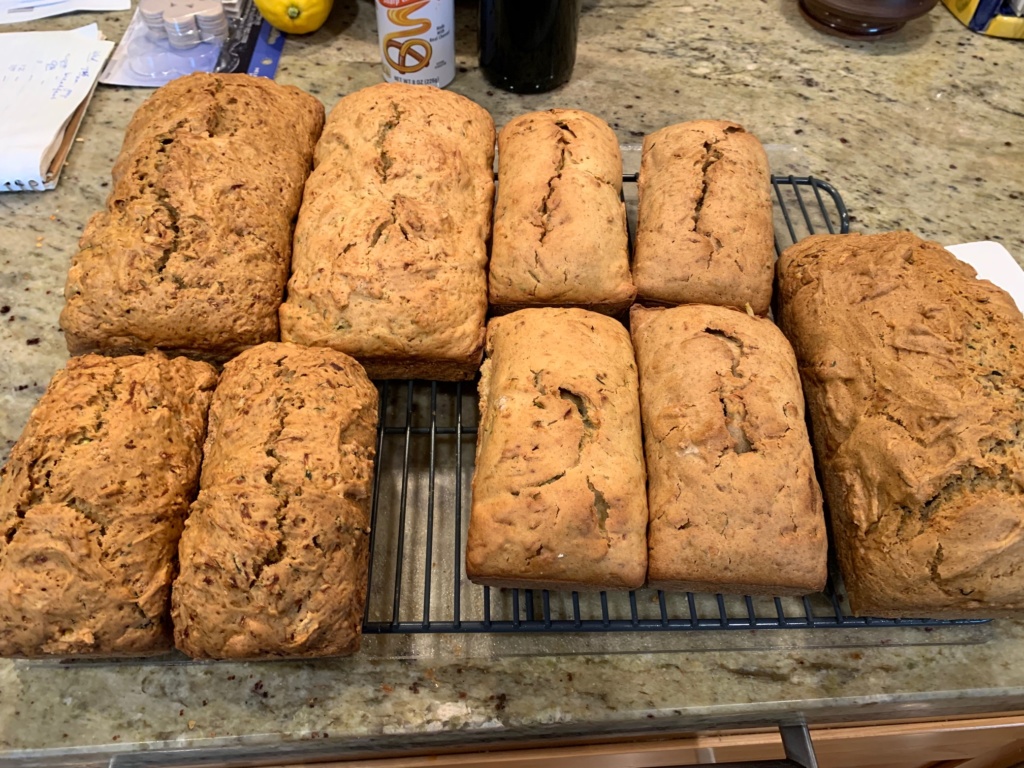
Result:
986,21
297,17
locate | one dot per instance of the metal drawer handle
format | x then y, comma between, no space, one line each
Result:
796,741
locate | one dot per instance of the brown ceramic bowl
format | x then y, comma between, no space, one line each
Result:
864,17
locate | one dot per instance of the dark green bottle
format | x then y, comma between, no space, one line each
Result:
528,46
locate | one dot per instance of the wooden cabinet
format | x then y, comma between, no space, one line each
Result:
988,742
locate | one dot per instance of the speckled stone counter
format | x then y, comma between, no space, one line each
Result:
922,130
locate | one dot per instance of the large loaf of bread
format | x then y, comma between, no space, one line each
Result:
914,375
191,253
558,491
274,554
559,222
92,503
390,250
734,503
704,233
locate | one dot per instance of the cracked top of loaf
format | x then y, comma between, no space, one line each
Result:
704,234
191,251
558,492
92,503
274,554
559,222
734,503
390,252
914,377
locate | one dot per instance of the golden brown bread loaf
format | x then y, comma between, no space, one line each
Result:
704,234
191,252
274,553
914,376
559,221
734,504
390,248
92,503
558,492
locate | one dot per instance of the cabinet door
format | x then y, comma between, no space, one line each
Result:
977,743
995,742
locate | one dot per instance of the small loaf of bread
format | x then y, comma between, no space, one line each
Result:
274,555
704,234
558,492
559,223
914,374
391,244
191,252
92,503
734,503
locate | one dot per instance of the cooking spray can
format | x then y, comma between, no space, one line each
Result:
417,41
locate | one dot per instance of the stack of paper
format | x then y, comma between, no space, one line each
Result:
46,81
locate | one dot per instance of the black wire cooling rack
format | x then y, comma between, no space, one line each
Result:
425,449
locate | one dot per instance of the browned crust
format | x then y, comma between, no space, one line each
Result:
613,309
560,234
430,370
191,252
734,504
732,588
704,234
913,372
390,257
216,359
558,490
275,552
555,585
92,503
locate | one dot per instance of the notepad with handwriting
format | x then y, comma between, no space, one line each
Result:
46,81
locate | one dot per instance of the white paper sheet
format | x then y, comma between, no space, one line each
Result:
44,78
993,262
15,11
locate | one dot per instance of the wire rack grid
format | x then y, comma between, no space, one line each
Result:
425,449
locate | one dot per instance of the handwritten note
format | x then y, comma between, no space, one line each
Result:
44,78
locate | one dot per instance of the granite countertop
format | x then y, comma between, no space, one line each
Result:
921,130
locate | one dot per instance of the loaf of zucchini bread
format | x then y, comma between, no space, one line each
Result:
274,554
914,375
92,502
734,503
390,258
191,252
558,490
559,222
704,233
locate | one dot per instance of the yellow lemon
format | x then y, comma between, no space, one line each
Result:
295,16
